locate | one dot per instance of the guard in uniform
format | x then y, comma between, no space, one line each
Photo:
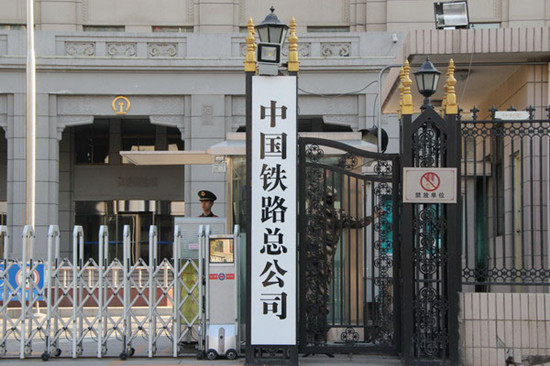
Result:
207,199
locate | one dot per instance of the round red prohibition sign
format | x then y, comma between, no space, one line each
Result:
430,181
34,275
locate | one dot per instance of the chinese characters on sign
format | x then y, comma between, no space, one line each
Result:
273,221
429,185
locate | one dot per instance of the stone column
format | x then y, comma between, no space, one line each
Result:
47,179
16,174
204,128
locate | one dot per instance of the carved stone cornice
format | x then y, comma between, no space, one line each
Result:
162,49
304,49
336,49
82,49
121,49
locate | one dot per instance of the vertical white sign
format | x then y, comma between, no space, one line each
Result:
273,221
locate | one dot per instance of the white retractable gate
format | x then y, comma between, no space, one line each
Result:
103,308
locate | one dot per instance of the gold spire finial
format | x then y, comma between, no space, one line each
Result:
293,63
407,106
450,100
444,101
250,60
401,74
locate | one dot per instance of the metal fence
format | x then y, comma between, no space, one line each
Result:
79,307
505,180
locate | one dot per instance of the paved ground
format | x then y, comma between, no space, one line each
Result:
163,355
312,360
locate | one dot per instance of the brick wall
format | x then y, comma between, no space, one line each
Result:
489,322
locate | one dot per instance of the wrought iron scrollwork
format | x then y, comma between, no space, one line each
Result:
429,259
348,161
383,168
429,145
349,336
314,153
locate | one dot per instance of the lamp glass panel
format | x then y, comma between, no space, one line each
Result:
435,81
455,14
275,34
428,82
262,32
268,53
419,82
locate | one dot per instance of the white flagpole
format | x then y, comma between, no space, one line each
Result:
31,119
547,185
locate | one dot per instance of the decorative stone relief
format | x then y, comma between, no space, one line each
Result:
86,49
336,49
121,49
190,11
84,13
162,49
243,11
207,115
497,8
346,11
304,50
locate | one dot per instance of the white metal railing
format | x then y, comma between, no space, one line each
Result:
106,308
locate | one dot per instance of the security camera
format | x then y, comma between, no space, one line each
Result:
394,37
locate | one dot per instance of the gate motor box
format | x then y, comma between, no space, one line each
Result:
220,323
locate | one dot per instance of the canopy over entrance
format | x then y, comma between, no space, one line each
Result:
234,145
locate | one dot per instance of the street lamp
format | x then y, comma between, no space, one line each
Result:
271,30
427,78
272,36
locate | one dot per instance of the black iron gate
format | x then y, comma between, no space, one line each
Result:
431,245
348,249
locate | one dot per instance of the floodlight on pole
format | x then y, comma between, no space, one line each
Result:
451,15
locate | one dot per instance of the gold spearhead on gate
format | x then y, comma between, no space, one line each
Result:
401,88
293,63
451,106
407,106
250,60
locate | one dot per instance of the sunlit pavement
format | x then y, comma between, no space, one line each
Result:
311,360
